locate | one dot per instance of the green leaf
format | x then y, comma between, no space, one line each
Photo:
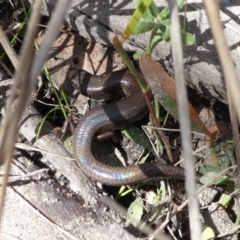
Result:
166,36
238,219
219,156
224,200
166,23
123,192
153,9
208,176
211,160
188,38
135,212
161,193
180,4
144,26
68,142
156,39
163,14
148,16
138,136
208,233
151,13
162,33
137,54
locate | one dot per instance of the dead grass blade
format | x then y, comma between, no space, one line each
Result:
229,71
176,44
25,81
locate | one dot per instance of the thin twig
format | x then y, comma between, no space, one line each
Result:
229,71
25,80
8,48
9,124
183,112
30,148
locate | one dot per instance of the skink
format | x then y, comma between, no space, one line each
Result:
111,117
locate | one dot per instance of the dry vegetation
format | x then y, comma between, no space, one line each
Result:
45,194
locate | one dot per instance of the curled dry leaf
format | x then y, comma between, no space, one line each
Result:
163,87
